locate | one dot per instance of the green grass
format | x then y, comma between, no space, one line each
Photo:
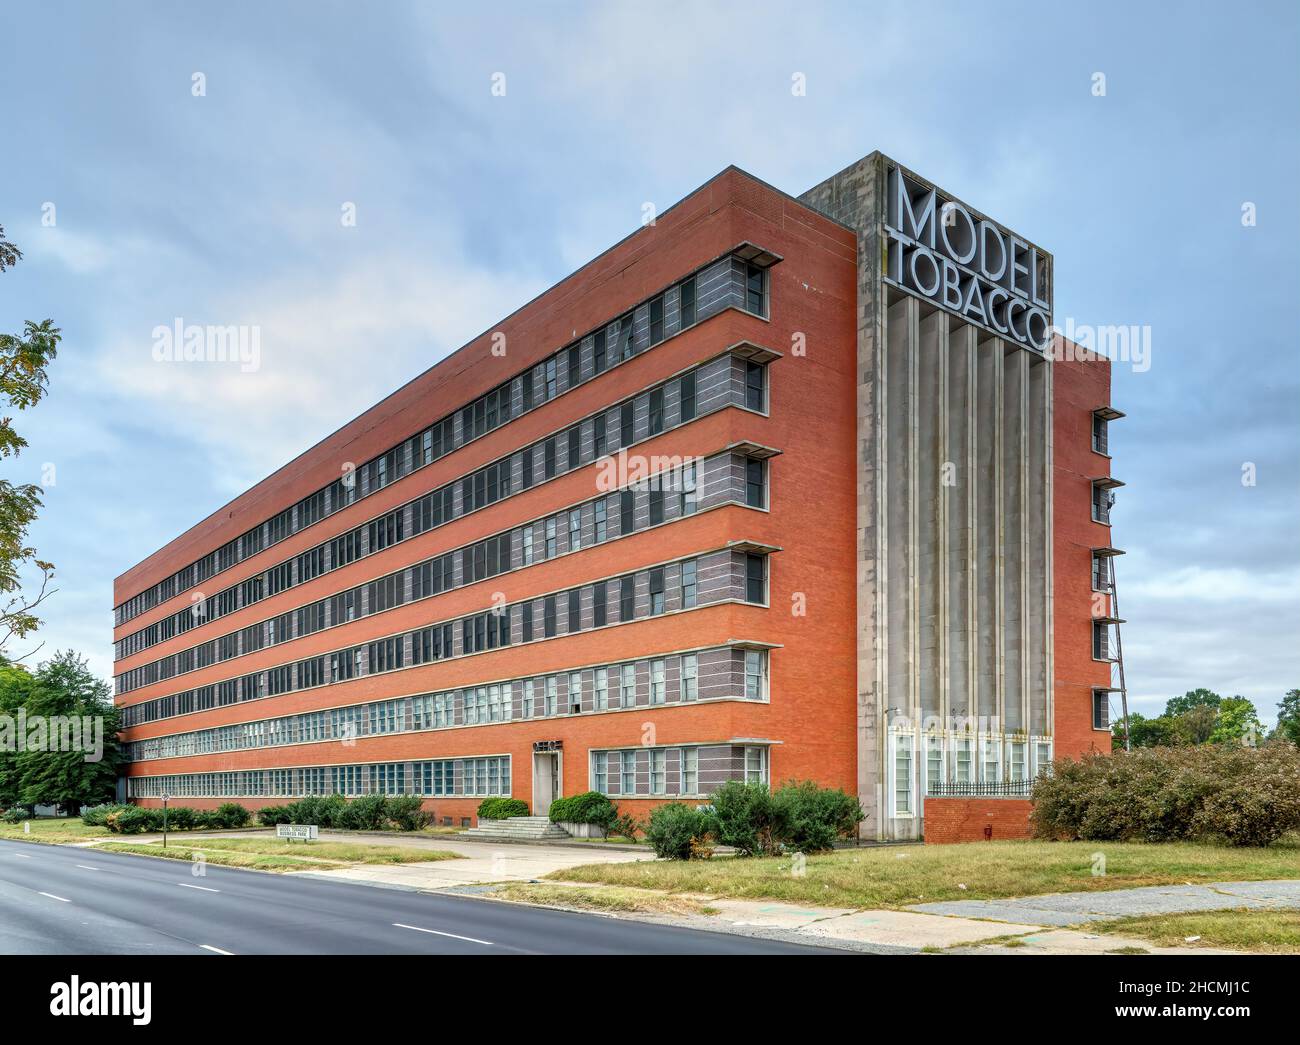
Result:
896,876
610,899
276,855
1265,932
69,829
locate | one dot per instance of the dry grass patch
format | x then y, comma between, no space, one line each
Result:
897,876
609,899
69,829
277,855
1241,929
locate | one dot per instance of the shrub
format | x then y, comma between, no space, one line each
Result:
1242,795
407,813
501,808
132,820
230,814
625,826
745,818
809,818
677,831
95,816
182,818
273,816
367,813
591,807
15,814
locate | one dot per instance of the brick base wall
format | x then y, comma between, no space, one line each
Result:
965,819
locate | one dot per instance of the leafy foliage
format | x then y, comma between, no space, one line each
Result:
502,808
810,819
746,818
1243,795
24,359
676,830
61,687
590,807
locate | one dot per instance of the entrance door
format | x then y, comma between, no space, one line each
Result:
546,781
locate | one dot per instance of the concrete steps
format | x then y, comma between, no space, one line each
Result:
517,828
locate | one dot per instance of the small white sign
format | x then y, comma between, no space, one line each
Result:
299,832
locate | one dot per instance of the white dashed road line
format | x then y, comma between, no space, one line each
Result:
215,950
453,936
87,867
186,885
61,899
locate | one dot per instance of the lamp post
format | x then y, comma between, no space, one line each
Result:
165,797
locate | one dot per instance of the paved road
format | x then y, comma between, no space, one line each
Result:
63,900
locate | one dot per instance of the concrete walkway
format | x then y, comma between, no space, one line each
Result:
1073,908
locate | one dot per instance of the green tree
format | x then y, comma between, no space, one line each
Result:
63,688
1148,732
1193,698
1238,720
1196,725
1288,717
23,362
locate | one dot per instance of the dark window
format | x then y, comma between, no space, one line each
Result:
1100,573
526,616
575,365
625,337
657,320
599,595
754,290
626,416
575,447
656,506
527,476
598,434
754,397
598,354
548,617
687,290
1099,434
551,379
1100,641
1100,709
626,507
575,610
550,458
528,389
626,598
754,483
688,396
754,569
657,590
656,411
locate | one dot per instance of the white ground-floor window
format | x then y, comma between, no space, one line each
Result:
903,805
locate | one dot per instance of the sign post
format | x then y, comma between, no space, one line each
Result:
165,797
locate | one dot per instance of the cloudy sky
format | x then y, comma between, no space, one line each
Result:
224,207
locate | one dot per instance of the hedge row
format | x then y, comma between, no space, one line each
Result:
368,813
133,820
590,807
796,817
1216,792
502,808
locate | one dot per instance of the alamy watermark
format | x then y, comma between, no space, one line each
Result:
198,343
53,733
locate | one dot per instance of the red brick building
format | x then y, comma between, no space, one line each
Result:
749,496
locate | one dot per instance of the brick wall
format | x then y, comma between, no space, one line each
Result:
965,819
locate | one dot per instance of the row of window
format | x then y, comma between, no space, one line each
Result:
639,595
467,777
584,442
988,761
657,680
481,631
655,772
645,326
670,496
